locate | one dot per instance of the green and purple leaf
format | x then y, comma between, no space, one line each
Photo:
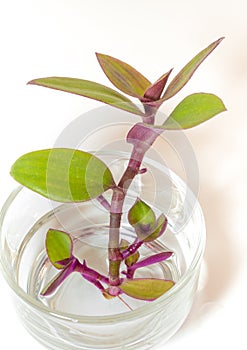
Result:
154,91
141,216
59,248
123,76
186,73
63,174
146,288
158,230
89,89
194,110
143,219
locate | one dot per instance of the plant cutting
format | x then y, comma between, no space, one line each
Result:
75,176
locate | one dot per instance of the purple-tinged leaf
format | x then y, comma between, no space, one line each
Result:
148,261
193,110
146,288
159,229
186,73
154,91
143,219
59,247
123,76
59,279
141,216
63,262
89,89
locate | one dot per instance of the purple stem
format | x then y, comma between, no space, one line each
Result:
142,137
114,291
90,274
150,118
75,266
114,254
131,249
58,280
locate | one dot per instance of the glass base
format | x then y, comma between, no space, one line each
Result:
79,297
77,317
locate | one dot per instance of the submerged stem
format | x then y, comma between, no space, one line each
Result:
114,254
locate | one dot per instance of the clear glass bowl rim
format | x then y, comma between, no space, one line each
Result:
151,307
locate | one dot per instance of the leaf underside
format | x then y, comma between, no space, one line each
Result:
63,174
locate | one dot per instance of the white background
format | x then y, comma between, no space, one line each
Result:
59,37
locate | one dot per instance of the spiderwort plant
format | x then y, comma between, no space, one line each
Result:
67,175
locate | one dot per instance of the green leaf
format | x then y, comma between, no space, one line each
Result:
89,89
123,244
132,259
63,174
141,216
193,110
123,76
143,219
146,288
186,73
59,247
